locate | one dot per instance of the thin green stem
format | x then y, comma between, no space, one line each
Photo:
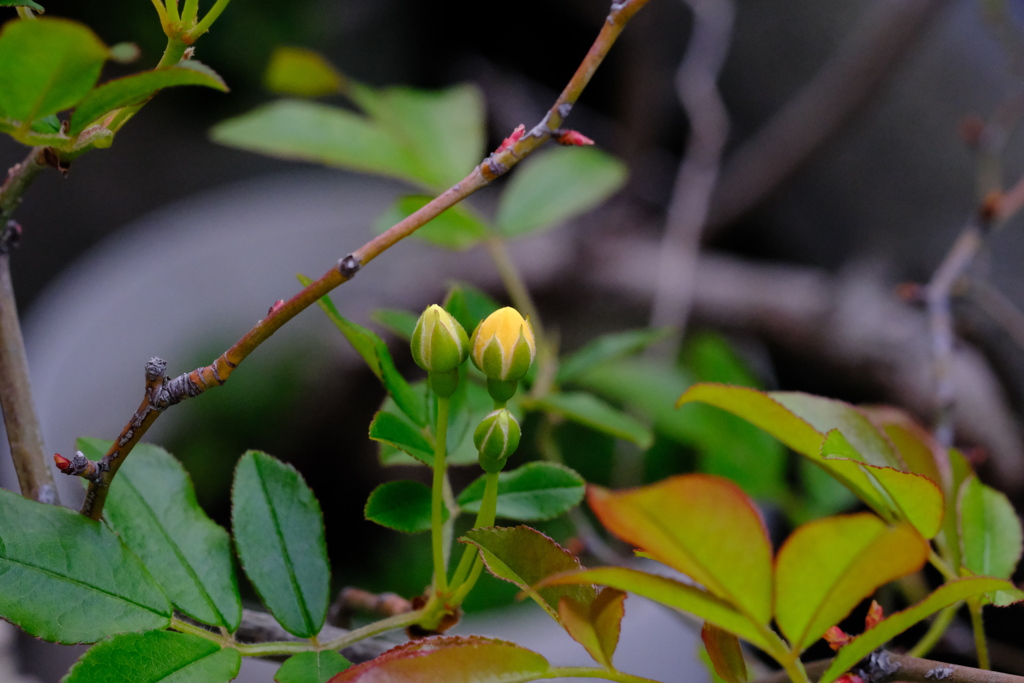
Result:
352,637
162,12
978,626
172,11
207,21
485,517
437,498
795,669
185,627
173,53
935,631
940,564
274,649
190,11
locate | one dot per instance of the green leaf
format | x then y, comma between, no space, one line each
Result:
392,429
702,526
990,532
469,305
535,491
890,492
524,556
153,508
681,596
915,444
69,579
604,348
456,228
443,130
895,624
301,72
712,359
826,414
401,505
311,667
22,3
279,533
817,427
375,352
429,138
451,659
595,626
136,88
154,657
556,185
588,410
309,131
828,566
48,65
399,322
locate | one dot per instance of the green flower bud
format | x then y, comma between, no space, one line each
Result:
503,346
439,344
496,437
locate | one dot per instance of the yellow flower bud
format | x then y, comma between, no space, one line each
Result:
503,346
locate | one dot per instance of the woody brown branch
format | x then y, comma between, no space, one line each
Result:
162,393
24,434
912,669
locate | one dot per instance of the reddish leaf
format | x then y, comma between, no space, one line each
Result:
524,556
595,626
725,653
677,595
447,659
703,526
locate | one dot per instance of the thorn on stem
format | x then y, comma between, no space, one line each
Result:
277,306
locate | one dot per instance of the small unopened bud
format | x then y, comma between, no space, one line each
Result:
496,437
516,136
63,464
572,138
439,346
503,349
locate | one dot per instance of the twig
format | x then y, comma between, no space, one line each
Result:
937,295
912,669
20,419
696,86
853,324
260,627
820,108
171,391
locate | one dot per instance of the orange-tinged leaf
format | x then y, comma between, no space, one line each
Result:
828,566
702,526
724,652
524,556
942,597
915,444
677,595
595,626
890,492
447,659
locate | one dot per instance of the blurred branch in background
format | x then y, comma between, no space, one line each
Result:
815,114
697,89
851,324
